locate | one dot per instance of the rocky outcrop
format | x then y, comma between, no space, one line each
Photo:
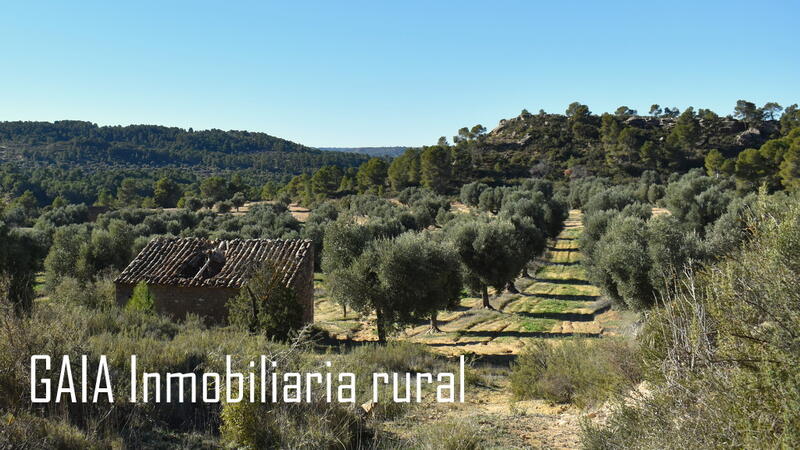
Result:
751,137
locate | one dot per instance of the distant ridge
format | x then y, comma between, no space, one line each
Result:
371,151
86,145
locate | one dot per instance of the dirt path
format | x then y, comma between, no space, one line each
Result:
501,421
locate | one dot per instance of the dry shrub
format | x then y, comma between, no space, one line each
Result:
723,354
305,425
66,328
450,435
398,356
29,431
579,371
94,294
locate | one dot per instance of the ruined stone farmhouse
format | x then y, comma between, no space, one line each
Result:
191,275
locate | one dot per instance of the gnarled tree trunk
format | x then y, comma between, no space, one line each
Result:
434,324
485,295
381,326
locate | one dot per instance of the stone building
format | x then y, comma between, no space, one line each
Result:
191,275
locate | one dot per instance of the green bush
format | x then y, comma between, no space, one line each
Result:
621,263
579,371
141,299
721,355
97,294
266,306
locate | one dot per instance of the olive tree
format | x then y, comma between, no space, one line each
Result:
489,253
420,275
343,241
527,218
471,192
400,280
622,263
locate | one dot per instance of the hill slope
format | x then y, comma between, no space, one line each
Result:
623,144
371,151
84,144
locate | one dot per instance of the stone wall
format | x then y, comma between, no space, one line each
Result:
210,303
303,286
176,302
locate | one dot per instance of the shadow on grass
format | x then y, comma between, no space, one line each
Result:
566,297
575,281
564,317
514,334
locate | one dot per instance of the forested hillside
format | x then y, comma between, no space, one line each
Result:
371,151
85,163
754,146
622,144
85,143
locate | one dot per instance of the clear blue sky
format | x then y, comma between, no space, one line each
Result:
371,73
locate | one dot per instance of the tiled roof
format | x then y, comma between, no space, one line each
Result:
194,262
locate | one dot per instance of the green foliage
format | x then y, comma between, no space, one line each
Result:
488,252
326,180
790,119
266,305
316,425
80,253
96,295
491,199
396,356
435,168
223,207
343,243
714,163
61,216
670,248
62,259
401,280
698,200
166,193
748,112
372,175
86,145
405,170
215,188
29,431
615,198
20,258
686,132
722,362
141,299
471,192
621,263
584,372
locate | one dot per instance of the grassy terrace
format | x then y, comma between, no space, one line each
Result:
558,301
